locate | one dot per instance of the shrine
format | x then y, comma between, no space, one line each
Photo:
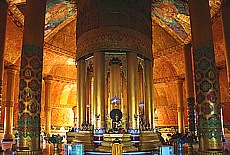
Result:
115,76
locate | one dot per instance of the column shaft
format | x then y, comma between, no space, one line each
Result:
3,17
190,89
132,72
124,94
180,105
115,83
107,109
81,93
31,78
9,107
221,110
225,11
206,83
88,96
47,108
140,86
93,107
99,88
149,104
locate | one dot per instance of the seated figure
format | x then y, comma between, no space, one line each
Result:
117,122
116,116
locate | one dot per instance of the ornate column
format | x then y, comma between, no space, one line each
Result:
88,95
99,89
31,78
206,83
132,72
9,107
81,92
124,94
91,100
180,105
190,89
93,107
47,109
149,104
107,109
225,11
140,85
115,81
3,17
221,110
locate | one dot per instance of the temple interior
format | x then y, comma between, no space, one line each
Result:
112,69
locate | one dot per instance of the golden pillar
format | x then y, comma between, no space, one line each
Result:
99,89
132,72
107,109
29,104
47,109
115,83
180,105
9,107
3,17
149,104
124,96
140,85
221,110
74,108
93,108
81,92
225,11
206,83
88,95
190,89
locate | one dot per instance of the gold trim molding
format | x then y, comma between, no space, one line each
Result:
168,79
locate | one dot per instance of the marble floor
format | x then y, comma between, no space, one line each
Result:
48,148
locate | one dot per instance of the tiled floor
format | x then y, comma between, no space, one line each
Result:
48,149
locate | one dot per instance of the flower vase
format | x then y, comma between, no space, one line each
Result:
56,149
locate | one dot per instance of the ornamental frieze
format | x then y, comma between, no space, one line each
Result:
113,38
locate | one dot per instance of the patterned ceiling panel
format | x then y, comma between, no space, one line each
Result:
174,14
56,12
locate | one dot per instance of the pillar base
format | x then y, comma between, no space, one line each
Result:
213,152
7,140
27,151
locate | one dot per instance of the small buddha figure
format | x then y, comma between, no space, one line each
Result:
117,122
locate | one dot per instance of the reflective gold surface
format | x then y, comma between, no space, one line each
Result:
168,62
132,90
47,107
99,88
81,92
149,141
9,107
108,141
180,106
149,98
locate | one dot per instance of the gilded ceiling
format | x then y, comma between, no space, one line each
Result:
170,27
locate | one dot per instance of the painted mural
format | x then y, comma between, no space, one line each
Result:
62,117
175,14
56,12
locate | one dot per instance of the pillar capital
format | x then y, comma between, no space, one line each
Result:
188,46
48,79
179,80
11,69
